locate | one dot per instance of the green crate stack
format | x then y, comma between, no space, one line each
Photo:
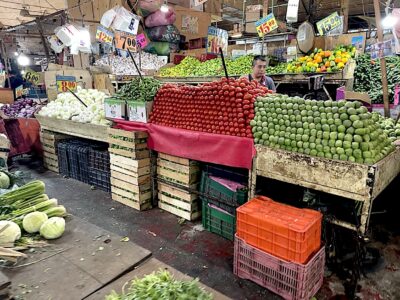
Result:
218,222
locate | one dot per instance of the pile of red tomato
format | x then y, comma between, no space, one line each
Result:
220,107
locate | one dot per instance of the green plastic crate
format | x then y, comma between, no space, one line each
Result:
216,191
218,222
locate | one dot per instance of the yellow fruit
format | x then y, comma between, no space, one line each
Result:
344,60
318,70
340,65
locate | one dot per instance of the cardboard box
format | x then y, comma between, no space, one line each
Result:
115,108
6,96
139,111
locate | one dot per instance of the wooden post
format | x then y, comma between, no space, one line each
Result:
265,7
382,60
345,12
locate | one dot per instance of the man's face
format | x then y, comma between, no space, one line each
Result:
259,68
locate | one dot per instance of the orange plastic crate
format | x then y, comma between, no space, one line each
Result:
284,231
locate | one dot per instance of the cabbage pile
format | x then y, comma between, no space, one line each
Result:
67,107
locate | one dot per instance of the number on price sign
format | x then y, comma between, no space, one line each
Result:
329,23
65,83
266,25
32,77
104,36
125,41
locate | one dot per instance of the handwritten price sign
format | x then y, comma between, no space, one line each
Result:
329,23
266,25
141,40
125,41
104,36
65,83
32,77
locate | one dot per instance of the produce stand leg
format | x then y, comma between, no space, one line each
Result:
253,179
365,215
326,92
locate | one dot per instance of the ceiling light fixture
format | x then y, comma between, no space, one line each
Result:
23,60
389,21
16,53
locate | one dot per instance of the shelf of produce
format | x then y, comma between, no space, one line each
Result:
354,181
77,129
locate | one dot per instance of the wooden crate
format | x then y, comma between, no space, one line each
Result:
49,142
179,202
178,170
128,143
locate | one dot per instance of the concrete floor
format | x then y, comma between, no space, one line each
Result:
205,255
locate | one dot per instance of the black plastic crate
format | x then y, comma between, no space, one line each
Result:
62,155
100,179
235,174
99,158
78,156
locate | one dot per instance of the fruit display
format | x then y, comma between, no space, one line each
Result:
320,61
280,68
340,130
388,125
191,66
367,77
221,107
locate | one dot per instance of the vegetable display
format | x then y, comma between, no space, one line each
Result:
367,77
191,66
67,107
10,232
161,285
141,90
24,108
321,61
124,66
28,207
221,107
338,130
53,228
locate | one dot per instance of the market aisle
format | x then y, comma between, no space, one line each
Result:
184,247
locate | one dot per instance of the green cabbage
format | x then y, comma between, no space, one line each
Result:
33,221
10,234
53,228
4,181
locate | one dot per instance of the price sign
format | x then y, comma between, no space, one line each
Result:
125,41
32,77
141,40
65,83
266,25
19,91
329,23
104,36
217,38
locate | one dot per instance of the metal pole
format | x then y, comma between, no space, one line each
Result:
382,60
3,50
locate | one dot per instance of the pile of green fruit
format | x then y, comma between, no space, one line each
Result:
192,67
139,89
340,130
388,125
280,68
368,79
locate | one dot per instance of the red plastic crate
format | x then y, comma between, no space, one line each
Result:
287,279
284,231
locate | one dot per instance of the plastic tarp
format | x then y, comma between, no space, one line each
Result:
212,148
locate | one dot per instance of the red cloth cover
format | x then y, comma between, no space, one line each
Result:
213,148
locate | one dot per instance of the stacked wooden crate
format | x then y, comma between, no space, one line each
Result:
49,140
178,181
130,168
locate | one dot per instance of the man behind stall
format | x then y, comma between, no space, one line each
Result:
259,65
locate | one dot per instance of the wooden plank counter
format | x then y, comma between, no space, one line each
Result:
83,130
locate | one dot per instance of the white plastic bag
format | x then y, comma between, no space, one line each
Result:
67,34
292,11
125,21
55,44
108,17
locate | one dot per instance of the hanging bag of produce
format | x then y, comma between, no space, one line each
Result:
147,7
160,18
167,33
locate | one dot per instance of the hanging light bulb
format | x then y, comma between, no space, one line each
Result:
23,60
164,8
389,21
23,72
16,53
